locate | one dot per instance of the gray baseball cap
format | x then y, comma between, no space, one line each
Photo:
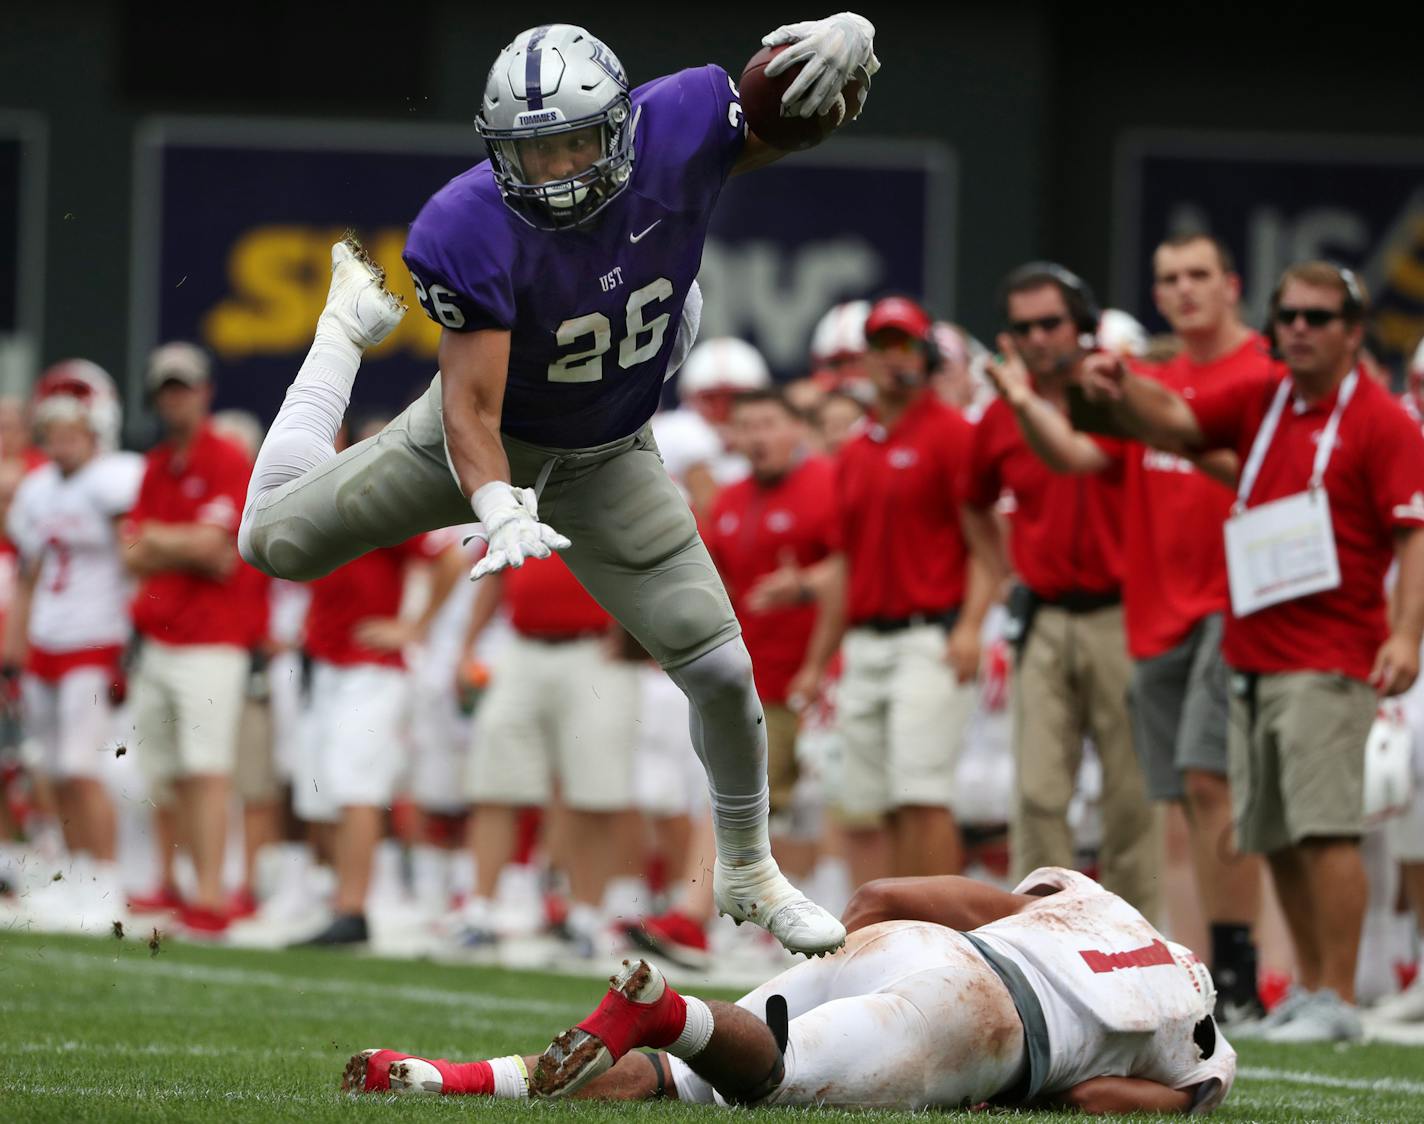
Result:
178,361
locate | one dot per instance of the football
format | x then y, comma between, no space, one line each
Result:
761,102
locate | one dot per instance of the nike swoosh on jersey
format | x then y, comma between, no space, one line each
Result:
636,238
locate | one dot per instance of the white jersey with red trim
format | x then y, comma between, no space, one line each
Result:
1118,999
65,526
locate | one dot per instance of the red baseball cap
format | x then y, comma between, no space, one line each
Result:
900,314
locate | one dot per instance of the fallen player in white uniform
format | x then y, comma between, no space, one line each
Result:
948,993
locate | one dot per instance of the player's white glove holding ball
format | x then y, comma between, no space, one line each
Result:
834,50
509,519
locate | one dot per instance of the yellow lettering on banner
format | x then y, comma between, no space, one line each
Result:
1397,331
278,278
1403,271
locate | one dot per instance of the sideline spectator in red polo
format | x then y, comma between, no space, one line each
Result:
912,647
192,673
762,531
1174,588
1072,671
355,753
1331,489
561,707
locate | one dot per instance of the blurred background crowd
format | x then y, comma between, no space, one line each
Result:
1016,669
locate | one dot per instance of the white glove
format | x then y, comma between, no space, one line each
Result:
509,522
833,49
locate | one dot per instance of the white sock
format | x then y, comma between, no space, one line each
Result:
696,1032
511,1078
303,435
729,734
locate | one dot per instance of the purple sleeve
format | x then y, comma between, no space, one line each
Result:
458,253
695,131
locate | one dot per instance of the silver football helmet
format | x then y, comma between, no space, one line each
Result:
551,82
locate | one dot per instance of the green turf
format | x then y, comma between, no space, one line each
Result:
103,1030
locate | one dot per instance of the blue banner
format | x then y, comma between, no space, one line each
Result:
1276,201
236,222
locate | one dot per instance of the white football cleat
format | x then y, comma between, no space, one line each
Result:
760,893
358,305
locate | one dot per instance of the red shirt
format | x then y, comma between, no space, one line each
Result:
256,588
751,529
1066,533
208,484
366,588
899,513
546,601
1375,481
1175,556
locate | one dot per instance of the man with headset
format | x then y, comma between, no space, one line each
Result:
1331,490
914,607
1174,586
1072,670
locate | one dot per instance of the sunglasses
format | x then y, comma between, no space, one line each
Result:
1314,317
1022,328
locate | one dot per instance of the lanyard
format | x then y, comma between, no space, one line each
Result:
1267,432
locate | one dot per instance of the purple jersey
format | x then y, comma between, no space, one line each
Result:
593,310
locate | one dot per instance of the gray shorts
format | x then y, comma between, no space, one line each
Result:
635,543
1179,710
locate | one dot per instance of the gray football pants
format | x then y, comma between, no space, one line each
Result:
635,543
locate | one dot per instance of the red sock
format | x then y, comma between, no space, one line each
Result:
466,1078
622,1025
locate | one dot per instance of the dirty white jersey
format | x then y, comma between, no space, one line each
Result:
66,527
1118,999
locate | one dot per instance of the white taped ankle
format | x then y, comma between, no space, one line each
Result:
696,1032
511,1078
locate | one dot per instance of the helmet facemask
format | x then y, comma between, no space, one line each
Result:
557,99
557,203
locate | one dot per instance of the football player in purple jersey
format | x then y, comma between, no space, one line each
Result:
562,273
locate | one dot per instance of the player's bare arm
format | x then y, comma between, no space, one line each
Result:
474,366
949,900
1111,1096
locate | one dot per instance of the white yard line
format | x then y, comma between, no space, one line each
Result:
293,984
1301,1077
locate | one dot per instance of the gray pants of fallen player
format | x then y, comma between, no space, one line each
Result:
635,547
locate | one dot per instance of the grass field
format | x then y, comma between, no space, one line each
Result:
107,1030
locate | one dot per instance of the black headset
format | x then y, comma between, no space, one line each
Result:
1354,306
1082,304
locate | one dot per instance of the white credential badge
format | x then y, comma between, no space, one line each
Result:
1284,549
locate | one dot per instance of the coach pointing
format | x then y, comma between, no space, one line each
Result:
1331,488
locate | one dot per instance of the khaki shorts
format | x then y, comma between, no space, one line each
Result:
902,715
564,710
782,727
1297,749
635,543
188,701
255,779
